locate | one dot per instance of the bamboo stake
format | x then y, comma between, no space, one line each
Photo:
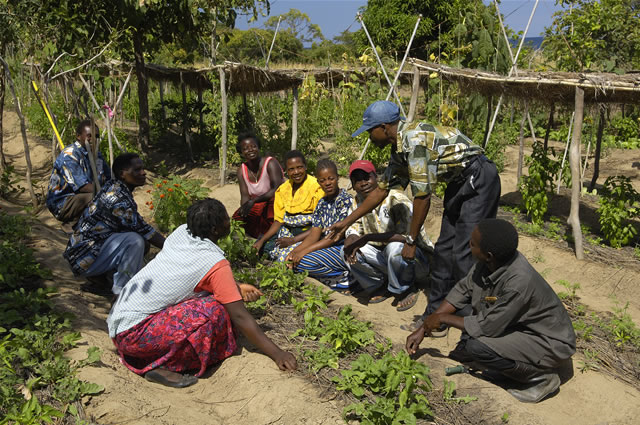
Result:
95,103
574,160
521,143
223,149
266,65
294,119
404,59
415,89
23,131
564,156
185,118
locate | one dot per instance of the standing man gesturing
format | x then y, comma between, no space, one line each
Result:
429,154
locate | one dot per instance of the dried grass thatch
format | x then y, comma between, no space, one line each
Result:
241,78
548,87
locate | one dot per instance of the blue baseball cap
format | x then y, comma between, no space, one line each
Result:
379,112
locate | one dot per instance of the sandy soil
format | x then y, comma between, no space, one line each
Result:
250,389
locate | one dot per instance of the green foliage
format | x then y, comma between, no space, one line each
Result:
590,362
280,282
237,246
594,35
571,287
539,184
399,384
626,132
346,333
315,299
8,182
622,328
172,196
619,203
449,394
504,418
33,338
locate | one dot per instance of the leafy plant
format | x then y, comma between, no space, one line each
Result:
345,333
572,287
315,299
8,182
172,196
539,184
619,203
590,362
400,383
449,394
280,282
238,247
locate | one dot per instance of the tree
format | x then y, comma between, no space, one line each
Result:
298,24
253,45
594,35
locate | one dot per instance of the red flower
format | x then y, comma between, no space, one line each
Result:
162,196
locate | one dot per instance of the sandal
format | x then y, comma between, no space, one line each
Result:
379,296
407,301
157,377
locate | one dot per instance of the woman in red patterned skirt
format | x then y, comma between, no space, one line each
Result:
258,177
177,313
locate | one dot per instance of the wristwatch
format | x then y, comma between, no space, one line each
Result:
409,240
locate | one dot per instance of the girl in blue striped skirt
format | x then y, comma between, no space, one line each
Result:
319,256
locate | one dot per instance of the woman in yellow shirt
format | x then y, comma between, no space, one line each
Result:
295,201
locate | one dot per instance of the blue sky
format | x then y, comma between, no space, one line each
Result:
333,16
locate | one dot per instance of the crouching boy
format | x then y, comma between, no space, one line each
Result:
518,329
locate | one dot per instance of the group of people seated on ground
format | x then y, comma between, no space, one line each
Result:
174,315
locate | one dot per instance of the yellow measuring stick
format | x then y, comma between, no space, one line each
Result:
46,111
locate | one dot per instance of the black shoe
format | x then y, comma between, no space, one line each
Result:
541,386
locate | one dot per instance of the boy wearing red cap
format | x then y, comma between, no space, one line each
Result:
374,242
422,155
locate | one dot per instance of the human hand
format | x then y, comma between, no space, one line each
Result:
258,245
294,258
284,242
431,322
352,246
249,292
286,361
334,232
414,340
408,253
246,207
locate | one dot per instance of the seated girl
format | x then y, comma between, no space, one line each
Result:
258,177
319,256
178,313
295,201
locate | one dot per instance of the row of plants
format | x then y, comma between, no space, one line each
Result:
384,387
38,383
609,341
619,202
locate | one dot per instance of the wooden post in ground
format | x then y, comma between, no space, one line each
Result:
294,119
521,140
200,106
164,109
574,161
185,118
23,131
415,90
488,121
549,125
223,147
596,163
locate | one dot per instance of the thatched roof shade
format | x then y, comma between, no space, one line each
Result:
544,86
240,78
330,76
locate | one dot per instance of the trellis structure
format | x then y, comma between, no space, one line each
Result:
550,88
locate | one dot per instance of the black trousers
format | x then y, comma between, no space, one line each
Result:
466,203
483,355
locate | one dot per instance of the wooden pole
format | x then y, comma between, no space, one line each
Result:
415,91
596,163
574,160
266,65
185,117
223,147
23,131
294,119
164,110
95,103
549,125
486,124
200,107
521,139
564,156
109,138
